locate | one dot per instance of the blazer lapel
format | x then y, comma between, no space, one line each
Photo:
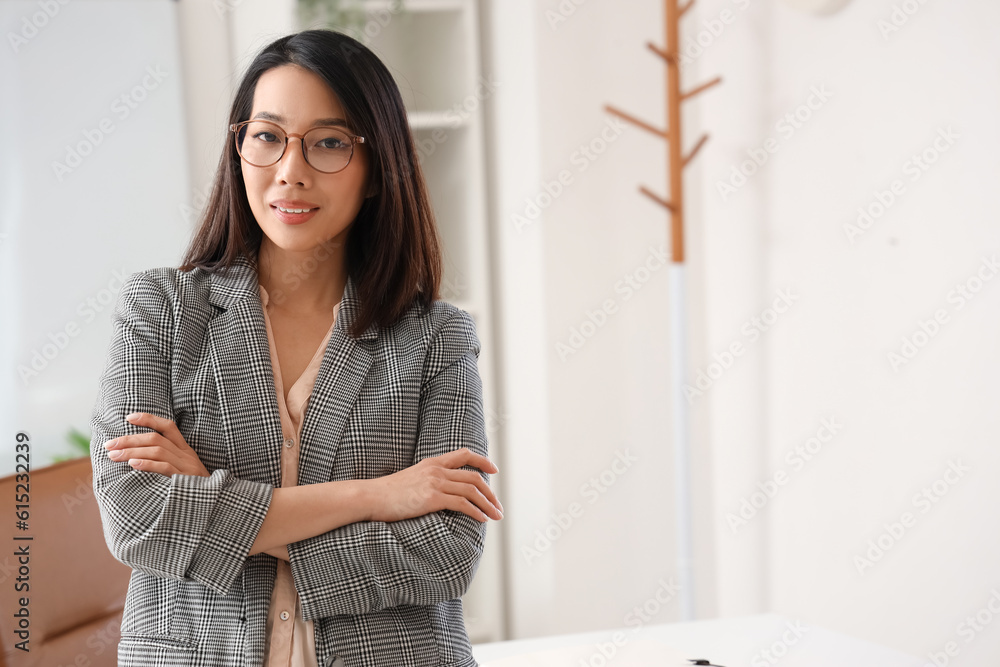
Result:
241,361
248,403
346,363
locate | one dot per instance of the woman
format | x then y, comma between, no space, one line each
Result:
289,446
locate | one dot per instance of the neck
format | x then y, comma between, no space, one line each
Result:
300,282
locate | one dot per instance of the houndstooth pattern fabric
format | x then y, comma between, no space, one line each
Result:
192,347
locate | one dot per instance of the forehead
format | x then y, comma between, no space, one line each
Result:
295,94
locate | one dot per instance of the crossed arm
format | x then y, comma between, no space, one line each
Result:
411,537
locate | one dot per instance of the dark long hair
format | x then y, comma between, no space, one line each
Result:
393,253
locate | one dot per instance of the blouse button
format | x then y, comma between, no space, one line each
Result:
289,442
284,615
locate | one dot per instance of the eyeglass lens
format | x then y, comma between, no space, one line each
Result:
262,143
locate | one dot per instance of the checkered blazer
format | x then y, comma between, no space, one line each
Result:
192,347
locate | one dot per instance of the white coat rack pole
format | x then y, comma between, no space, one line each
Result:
678,308
678,321
682,441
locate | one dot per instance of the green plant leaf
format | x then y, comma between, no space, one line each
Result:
79,442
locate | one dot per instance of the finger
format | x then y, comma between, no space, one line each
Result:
161,424
465,456
147,465
463,505
142,419
476,479
151,453
471,493
135,440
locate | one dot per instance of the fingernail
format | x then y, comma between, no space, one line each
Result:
110,443
132,416
116,454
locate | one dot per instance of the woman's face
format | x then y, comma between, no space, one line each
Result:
295,98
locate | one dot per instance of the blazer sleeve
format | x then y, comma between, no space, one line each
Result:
370,565
178,527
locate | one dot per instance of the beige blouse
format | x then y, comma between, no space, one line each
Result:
289,639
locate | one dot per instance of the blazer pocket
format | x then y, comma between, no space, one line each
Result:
141,650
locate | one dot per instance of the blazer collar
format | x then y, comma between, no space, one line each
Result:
240,282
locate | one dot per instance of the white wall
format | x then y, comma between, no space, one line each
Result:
92,180
902,426
825,357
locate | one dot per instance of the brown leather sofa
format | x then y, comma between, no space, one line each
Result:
77,588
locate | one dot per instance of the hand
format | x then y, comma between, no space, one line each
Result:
435,484
164,451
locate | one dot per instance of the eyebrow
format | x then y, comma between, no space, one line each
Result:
267,115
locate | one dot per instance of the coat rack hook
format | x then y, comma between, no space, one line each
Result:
666,55
632,119
694,151
701,88
657,198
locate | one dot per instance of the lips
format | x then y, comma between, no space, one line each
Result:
294,205
293,211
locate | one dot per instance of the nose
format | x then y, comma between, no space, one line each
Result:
292,167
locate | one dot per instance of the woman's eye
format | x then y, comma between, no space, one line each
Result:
267,137
332,143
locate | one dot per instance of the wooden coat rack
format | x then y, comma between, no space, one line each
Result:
675,206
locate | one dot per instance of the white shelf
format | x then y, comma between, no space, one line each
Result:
431,120
417,5
432,49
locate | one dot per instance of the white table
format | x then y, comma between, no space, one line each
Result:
762,640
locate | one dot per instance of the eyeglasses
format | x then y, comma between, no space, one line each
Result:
326,149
